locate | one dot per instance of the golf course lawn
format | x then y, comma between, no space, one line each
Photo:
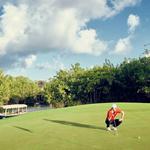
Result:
77,128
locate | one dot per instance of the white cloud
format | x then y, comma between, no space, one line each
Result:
28,27
54,65
13,24
87,42
121,4
28,61
133,22
146,53
123,45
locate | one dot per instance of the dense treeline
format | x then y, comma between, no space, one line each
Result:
14,90
129,81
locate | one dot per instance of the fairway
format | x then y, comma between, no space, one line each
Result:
77,128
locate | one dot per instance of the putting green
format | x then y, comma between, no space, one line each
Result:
77,128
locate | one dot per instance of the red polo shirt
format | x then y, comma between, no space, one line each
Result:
111,114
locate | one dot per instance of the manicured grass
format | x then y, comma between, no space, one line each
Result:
77,128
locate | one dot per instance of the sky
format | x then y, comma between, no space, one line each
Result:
40,37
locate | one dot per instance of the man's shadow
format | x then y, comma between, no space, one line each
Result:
75,124
23,129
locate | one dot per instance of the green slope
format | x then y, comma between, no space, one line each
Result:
77,128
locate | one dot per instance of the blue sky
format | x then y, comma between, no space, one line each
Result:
37,39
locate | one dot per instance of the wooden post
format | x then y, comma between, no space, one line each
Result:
5,112
18,110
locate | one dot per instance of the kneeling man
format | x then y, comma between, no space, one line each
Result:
111,122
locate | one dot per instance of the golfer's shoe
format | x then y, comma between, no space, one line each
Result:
108,129
113,128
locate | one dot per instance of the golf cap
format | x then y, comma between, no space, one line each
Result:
114,106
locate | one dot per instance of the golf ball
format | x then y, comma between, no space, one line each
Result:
139,137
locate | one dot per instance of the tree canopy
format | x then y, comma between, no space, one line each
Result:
129,81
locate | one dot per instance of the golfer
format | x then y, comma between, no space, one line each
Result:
111,122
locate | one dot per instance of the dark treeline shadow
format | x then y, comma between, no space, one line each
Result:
75,124
23,129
